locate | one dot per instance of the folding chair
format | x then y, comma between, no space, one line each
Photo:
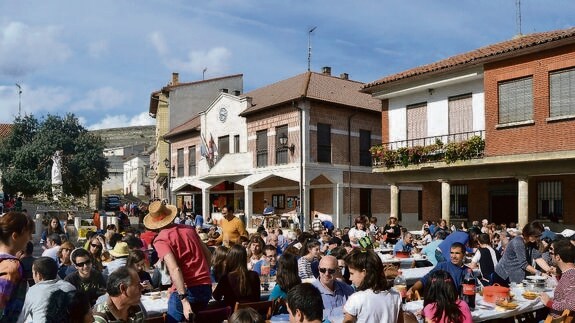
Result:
564,318
263,307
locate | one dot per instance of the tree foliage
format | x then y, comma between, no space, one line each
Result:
26,156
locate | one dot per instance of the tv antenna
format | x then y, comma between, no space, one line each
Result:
518,17
309,48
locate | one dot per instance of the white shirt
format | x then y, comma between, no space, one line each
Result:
52,253
370,307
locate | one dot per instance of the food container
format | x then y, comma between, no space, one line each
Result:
534,285
402,254
492,294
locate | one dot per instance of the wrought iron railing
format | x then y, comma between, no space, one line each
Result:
445,148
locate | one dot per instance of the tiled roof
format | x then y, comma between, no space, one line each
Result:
192,124
315,86
484,54
170,86
5,129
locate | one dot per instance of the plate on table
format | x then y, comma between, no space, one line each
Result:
536,277
507,304
530,295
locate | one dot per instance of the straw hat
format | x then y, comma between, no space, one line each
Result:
160,215
120,250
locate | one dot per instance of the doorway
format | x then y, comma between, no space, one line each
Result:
503,207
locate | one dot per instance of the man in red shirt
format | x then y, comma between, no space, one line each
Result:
187,259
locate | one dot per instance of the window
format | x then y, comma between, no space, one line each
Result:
460,117
180,172
365,201
281,150
237,143
323,143
458,201
516,100
562,93
364,145
223,146
192,161
416,124
262,148
549,200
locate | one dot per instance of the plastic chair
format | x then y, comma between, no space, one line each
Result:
564,318
216,315
263,307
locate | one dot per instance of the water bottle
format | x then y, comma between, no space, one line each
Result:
468,289
400,285
265,274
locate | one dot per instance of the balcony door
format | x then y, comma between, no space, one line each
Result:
460,117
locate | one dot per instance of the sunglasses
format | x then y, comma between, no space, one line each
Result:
82,264
330,271
96,245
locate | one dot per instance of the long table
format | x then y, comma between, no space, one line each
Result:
486,311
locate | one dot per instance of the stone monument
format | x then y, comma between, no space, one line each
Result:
57,175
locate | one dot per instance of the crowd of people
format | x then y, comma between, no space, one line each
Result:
318,274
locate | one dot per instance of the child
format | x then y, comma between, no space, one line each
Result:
441,303
373,301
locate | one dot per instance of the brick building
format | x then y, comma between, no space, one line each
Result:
314,128
519,97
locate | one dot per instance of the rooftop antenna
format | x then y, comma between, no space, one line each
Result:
19,99
518,17
204,73
309,48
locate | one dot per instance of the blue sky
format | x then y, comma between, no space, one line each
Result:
101,59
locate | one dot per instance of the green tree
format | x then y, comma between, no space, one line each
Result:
26,156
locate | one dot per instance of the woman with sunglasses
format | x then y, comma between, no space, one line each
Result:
86,278
63,254
95,248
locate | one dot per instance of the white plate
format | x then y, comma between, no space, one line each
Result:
534,277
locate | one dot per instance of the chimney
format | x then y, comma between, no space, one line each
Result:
175,78
326,70
224,90
344,76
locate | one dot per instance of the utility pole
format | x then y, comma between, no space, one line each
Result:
309,48
204,73
518,17
19,99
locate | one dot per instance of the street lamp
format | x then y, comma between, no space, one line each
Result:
283,142
167,164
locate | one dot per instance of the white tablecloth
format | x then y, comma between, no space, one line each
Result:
155,306
487,311
412,275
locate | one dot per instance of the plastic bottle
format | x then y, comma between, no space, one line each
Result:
265,274
468,289
400,285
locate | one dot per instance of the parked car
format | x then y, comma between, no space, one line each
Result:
112,203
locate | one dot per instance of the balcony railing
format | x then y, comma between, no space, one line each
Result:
445,148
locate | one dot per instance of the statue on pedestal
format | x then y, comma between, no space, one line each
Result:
57,174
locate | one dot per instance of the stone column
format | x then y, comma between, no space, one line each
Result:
445,200
248,201
522,202
394,201
206,205
338,203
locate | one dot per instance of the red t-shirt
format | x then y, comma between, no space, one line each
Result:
148,236
185,244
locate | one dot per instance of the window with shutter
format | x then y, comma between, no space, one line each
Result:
180,172
516,100
262,148
562,93
417,123
223,146
192,161
323,143
460,117
364,145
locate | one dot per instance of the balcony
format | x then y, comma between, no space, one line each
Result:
445,148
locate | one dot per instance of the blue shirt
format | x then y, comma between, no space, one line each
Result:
457,236
401,246
429,251
199,221
335,298
258,268
457,273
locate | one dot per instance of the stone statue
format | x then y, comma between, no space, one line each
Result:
57,168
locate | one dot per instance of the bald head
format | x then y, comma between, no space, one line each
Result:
328,271
328,261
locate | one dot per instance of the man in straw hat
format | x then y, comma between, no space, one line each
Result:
187,259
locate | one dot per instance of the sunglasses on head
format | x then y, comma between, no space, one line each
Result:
82,264
330,271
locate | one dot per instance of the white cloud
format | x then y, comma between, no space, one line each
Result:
41,100
215,60
24,49
118,121
104,98
157,40
97,49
